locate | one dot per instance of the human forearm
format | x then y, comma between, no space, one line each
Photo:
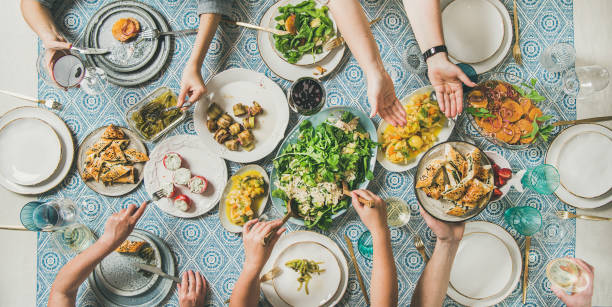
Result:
206,32
433,283
38,17
246,290
384,288
353,25
425,20
71,276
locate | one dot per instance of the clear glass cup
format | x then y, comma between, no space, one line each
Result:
524,219
553,230
365,246
412,59
544,179
74,238
51,215
398,212
585,80
558,57
566,274
65,69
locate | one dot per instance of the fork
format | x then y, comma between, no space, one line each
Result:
516,50
256,27
49,103
159,194
154,33
339,41
564,215
418,243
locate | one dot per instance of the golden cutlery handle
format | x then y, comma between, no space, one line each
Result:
255,27
423,254
581,121
526,270
593,218
357,272
266,240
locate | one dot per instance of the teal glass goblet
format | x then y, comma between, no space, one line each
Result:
544,179
365,246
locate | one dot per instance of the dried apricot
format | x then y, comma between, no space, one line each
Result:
290,24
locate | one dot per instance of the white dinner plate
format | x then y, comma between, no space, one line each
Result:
306,59
30,151
554,156
117,189
280,66
67,146
487,267
473,30
444,134
225,222
291,238
198,159
321,287
502,51
244,86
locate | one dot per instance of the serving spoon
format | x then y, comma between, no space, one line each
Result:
291,212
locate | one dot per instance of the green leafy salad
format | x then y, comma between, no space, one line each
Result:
312,169
309,28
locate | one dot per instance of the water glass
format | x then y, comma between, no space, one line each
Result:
365,245
585,80
544,179
398,212
74,238
558,57
55,214
412,59
525,219
65,69
566,274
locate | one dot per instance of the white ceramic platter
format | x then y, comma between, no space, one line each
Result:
473,30
487,267
200,161
582,166
67,147
305,236
280,66
445,133
321,287
30,151
117,189
244,86
306,59
225,222
502,51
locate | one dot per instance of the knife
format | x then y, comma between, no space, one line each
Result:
359,278
89,50
156,270
582,121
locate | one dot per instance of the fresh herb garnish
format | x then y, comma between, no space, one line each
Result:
529,91
480,112
543,131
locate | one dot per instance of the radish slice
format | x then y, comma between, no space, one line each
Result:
182,176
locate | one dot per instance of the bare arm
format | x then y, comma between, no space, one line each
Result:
384,287
447,78
38,17
71,276
353,25
192,83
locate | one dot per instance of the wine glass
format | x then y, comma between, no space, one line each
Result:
558,57
51,215
544,179
65,69
398,215
585,80
75,237
566,274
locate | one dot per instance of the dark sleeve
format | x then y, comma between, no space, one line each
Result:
223,7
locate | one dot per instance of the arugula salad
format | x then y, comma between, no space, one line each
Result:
312,169
309,28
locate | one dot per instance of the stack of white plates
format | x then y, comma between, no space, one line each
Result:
581,154
477,32
487,266
36,150
325,289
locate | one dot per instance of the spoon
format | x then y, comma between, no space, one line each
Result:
347,192
291,212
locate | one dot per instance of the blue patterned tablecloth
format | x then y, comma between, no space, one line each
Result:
201,244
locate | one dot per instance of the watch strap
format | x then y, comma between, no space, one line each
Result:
433,50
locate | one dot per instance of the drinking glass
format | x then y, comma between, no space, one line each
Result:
398,212
585,80
544,179
566,274
66,69
412,59
365,246
524,219
552,230
558,57
74,238
52,215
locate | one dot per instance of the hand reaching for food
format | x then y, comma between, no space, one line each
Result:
254,231
381,95
119,225
447,80
192,86
582,298
192,290
375,218
445,232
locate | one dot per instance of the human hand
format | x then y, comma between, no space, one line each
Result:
582,298
381,95
192,290
119,225
253,234
192,85
445,232
447,80
375,219
55,46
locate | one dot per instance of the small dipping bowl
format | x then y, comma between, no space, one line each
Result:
307,96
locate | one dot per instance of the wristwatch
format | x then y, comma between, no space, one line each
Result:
433,50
